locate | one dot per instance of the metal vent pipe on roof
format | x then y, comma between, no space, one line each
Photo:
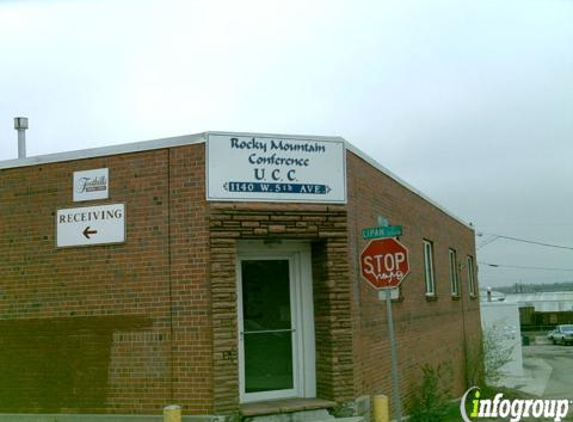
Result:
21,124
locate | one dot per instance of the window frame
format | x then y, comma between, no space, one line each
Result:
454,279
429,268
471,276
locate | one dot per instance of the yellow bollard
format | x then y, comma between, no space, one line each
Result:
381,413
172,413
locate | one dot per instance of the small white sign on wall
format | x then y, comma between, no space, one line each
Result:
91,184
249,168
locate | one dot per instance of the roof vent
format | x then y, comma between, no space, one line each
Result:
21,124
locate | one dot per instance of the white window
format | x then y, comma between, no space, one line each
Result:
471,276
454,273
429,268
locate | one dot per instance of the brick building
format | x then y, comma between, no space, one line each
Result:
217,270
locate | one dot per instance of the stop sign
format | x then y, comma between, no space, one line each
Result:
384,263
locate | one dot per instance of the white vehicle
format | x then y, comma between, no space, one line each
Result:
562,334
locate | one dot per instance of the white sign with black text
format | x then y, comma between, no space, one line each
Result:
275,169
90,225
91,184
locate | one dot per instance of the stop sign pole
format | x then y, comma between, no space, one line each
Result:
393,352
384,264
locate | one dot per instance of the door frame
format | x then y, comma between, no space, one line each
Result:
302,316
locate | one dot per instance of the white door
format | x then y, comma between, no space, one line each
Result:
276,324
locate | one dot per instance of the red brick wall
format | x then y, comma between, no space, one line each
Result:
427,331
101,316
191,287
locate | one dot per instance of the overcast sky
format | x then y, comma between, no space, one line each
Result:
471,102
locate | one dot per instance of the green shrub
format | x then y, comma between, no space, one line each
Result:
432,397
486,358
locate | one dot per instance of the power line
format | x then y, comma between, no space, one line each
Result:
490,239
513,283
516,239
546,278
525,267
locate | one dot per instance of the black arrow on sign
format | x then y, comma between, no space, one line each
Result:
87,232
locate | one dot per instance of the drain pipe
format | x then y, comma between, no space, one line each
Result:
21,124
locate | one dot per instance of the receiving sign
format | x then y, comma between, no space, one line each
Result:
251,168
90,225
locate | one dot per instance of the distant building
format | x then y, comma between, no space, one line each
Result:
495,296
543,310
543,301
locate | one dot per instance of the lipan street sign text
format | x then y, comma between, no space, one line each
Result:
378,232
90,225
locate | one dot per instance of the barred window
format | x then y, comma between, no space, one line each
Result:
454,273
429,268
471,276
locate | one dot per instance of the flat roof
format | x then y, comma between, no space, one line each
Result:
202,138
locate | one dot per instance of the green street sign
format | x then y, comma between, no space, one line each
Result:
376,232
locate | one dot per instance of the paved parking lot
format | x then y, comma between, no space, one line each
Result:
548,371
560,358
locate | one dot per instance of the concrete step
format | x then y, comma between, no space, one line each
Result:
350,419
331,418
319,415
312,416
295,416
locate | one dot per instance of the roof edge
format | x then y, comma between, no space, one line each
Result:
278,135
104,151
368,159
